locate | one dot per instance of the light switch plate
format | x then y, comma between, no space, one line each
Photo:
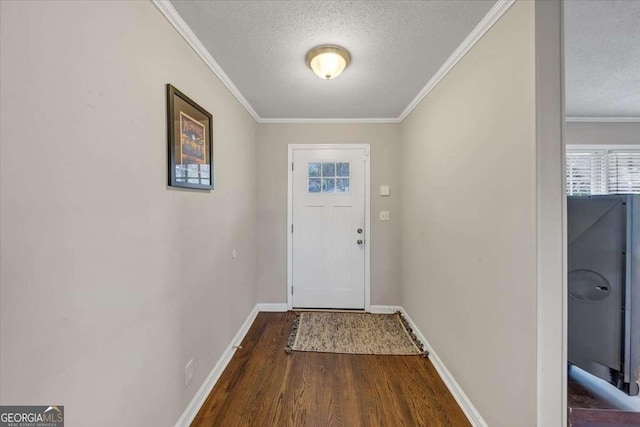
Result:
385,215
384,190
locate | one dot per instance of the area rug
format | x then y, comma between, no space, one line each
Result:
353,333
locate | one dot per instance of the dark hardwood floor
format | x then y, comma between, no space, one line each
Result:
264,386
579,397
602,418
588,403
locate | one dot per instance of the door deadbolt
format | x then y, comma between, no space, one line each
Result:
359,242
359,230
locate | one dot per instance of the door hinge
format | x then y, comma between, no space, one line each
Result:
292,290
292,228
292,166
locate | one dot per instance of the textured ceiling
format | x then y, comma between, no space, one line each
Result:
602,45
396,47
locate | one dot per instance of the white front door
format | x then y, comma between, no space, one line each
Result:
328,227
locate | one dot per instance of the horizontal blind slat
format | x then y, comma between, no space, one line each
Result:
624,171
586,172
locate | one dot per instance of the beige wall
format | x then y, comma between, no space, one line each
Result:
273,140
602,133
469,221
110,281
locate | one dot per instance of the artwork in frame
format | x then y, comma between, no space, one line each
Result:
190,134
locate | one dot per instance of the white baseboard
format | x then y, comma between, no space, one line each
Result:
463,400
277,307
198,400
384,309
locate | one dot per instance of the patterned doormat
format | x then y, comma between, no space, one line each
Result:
353,333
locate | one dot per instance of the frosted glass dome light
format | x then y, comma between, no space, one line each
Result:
328,61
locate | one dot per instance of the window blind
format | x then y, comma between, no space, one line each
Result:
587,172
624,171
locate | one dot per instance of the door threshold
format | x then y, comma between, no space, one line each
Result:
333,310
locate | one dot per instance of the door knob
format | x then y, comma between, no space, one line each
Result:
359,242
359,230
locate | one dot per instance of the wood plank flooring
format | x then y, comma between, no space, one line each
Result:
264,386
602,418
580,397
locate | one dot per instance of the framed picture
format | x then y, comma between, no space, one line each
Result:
190,142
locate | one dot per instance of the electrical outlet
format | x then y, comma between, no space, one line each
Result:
188,373
385,215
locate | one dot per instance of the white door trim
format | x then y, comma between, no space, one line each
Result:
367,215
551,221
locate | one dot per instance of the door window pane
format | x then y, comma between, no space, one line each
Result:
328,185
314,185
328,169
342,185
342,169
315,169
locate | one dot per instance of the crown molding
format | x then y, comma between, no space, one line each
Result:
172,15
327,121
582,119
480,30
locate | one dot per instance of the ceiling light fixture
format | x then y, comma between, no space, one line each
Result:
328,61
